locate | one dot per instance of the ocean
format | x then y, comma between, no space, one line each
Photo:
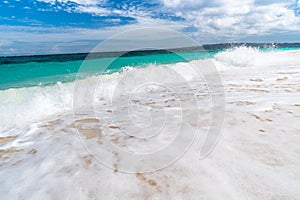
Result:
97,122
42,70
34,87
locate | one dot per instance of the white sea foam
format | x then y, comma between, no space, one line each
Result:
239,57
20,106
252,57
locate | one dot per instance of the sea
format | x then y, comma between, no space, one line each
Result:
218,122
35,87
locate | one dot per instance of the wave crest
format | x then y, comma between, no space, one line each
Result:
238,56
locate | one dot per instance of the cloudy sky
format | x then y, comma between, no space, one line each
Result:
63,26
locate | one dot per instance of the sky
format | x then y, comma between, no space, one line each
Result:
29,27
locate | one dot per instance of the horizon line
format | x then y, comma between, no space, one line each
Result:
258,44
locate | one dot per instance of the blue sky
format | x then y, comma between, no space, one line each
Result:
63,26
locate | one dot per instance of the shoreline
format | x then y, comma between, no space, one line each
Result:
257,156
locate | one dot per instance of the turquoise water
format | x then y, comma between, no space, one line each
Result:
45,73
28,74
279,49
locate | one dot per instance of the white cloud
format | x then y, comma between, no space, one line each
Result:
80,2
24,34
235,18
4,43
46,40
93,10
214,20
86,2
98,8
210,21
